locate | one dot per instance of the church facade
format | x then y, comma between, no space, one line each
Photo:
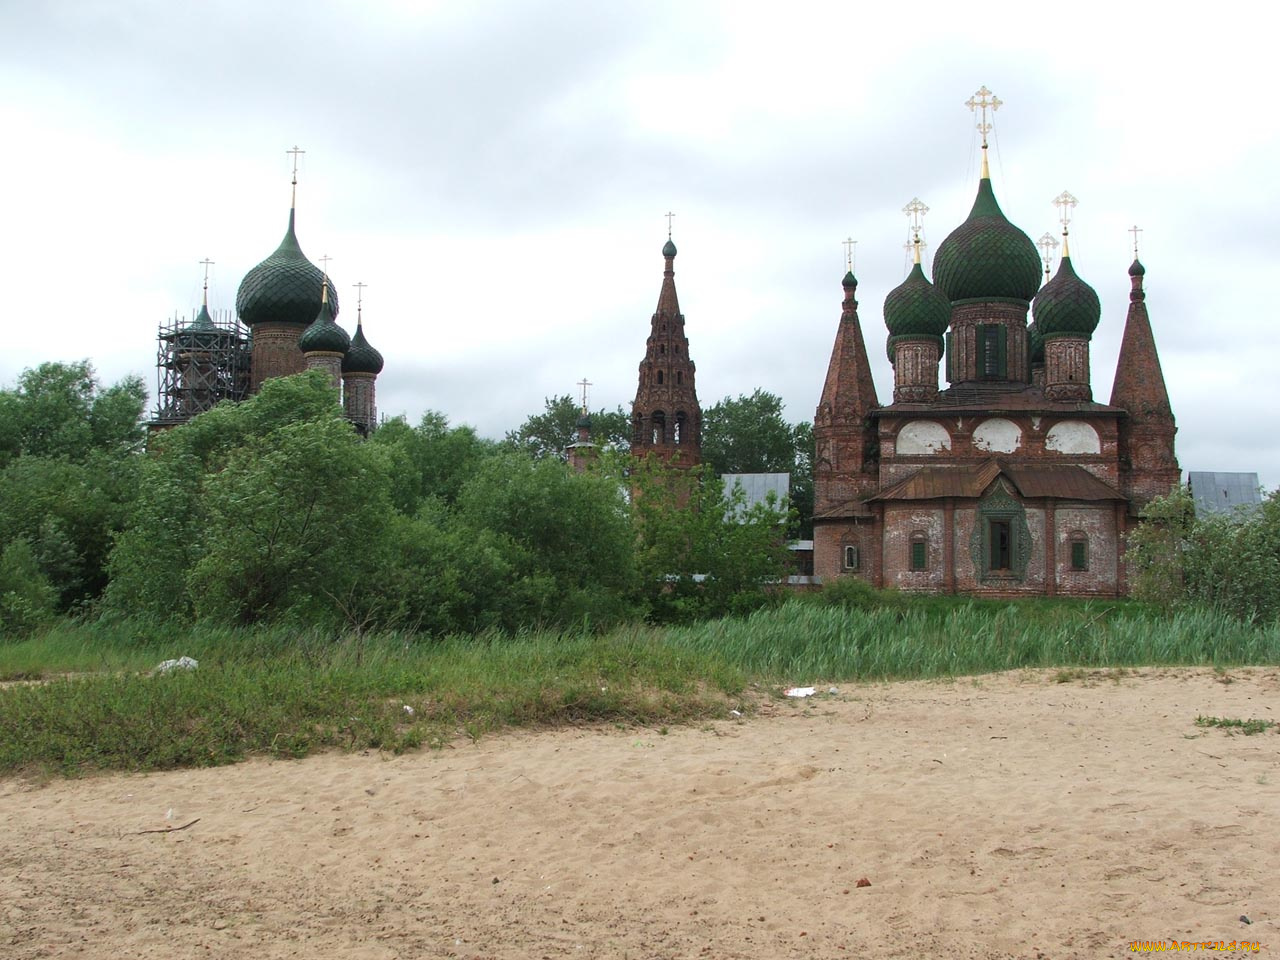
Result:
1012,480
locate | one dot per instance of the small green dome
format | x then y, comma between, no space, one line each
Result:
916,307
1035,343
987,257
668,248
284,288
361,357
850,282
1136,269
1066,305
324,336
584,422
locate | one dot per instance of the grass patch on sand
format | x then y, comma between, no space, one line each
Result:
86,696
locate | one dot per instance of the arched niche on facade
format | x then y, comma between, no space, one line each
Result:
997,435
1072,436
923,437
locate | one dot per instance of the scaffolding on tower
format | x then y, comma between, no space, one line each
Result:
199,364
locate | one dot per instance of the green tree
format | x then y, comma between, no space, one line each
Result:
431,460
27,598
253,511
547,434
703,553
750,435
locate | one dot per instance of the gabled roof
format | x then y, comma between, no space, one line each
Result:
1056,482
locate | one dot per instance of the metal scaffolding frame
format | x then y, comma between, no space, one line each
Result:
199,365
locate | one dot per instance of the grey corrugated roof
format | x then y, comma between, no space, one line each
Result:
1217,492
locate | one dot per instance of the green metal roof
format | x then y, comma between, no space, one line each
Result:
324,336
916,307
284,288
1066,305
361,357
987,257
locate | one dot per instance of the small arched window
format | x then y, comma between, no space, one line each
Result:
919,559
659,421
850,557
1079,541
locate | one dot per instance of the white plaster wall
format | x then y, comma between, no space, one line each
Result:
1072,436
997,435
923,437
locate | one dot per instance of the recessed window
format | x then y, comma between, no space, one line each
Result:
850,557
1001,534
1079,552
659,377
919,551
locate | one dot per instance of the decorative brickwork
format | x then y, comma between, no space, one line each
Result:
275,352
1066,369
666,420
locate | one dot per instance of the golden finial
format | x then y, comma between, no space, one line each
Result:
207,263
293,198
1135,230
1047,244
584,383
850,252
915,211
983,100
359,300
324,282
668,215
1065,203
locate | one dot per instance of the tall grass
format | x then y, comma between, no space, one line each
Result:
93,700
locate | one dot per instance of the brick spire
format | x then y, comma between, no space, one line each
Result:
845,439
665,418
1146,435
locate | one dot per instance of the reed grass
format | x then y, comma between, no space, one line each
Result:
84,696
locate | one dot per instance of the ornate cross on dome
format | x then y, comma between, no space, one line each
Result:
1135,230
983,100
584,383
359,299
915,211
295,152
1047,244
668,215
850,248
1065,203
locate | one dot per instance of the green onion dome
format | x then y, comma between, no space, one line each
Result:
668,248
1066,305
584,422
284,288
850,282
201,334
361,357
916,307
987,257
1035,343
324,336
1136,269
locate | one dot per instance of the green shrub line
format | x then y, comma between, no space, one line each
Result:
95,703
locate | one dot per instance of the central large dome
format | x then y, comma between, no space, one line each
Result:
284,288
987,257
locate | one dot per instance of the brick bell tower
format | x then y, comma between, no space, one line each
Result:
666,421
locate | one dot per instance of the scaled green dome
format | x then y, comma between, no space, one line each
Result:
584,422
284,288
361,357
987,257
324,336
1066,306
668,248
916,308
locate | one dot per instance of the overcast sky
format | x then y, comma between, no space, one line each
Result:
498,172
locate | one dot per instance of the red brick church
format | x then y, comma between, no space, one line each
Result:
1012,479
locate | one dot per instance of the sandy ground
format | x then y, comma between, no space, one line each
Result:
1002,816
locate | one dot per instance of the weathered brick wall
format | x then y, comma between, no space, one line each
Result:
275,353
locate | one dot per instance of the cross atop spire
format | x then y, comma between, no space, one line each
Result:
984,100
295,152
1135,230
206,263
850,250
1047,244
324,261
915,211
359,300
1065,203
584,383
668,215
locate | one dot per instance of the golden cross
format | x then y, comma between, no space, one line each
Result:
850,249
981,100
1065,203
1135,230
359,299
206,263
1047,244
668,215
296,153
915,211
584,383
